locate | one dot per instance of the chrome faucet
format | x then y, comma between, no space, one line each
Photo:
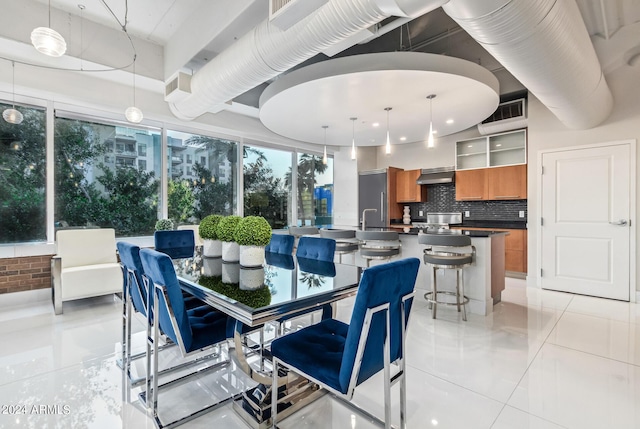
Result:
364,213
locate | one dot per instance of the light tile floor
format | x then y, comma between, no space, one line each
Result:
542,360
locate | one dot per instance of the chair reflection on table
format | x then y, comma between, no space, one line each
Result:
177,243
339,357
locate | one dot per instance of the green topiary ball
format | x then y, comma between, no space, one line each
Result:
253,231
164,225
208,228
226,228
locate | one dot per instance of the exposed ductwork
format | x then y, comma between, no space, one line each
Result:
266,51
545,45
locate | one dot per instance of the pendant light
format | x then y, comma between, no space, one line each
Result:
353,138
12,115
387,149
47,40
324,156
133,114
430,142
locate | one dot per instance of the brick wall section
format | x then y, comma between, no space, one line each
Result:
25,273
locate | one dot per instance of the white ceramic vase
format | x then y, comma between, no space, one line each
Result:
230,251
212,248
406,217
251,256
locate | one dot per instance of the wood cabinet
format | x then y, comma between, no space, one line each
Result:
407,191
507,183
471,185
515,248
500,183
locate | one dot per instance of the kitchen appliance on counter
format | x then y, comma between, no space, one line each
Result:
438,222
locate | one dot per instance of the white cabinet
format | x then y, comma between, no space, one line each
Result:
492,151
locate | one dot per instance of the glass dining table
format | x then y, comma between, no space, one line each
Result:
283,288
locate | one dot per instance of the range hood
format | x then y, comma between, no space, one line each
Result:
434,176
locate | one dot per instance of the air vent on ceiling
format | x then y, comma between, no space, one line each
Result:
286,13
510,115
177,88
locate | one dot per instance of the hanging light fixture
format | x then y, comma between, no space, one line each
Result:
387,149
12,115
324,156
133,114
353,138
430,142
47,40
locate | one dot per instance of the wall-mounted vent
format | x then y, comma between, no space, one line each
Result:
510,115
177,88
286,13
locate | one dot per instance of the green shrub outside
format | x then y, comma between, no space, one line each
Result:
208,228
226,228
164,225
253,231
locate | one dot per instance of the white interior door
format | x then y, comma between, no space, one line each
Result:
585,228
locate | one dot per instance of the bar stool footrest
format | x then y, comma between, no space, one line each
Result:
427,296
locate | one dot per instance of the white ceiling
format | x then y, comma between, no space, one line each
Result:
152,20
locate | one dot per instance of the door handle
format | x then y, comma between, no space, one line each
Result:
621,222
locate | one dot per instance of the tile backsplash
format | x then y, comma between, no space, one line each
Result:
442,198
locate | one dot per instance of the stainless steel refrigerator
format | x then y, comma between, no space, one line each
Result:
372,194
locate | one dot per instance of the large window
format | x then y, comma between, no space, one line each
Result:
23,177
206,187
314,190
267,179
99,180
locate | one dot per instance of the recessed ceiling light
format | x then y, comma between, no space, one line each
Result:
449,121
403,138
499,144
435,131
470,145
375,124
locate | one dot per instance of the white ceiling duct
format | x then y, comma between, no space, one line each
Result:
266,51
545,45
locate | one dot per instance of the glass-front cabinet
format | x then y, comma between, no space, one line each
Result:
471,153
492,151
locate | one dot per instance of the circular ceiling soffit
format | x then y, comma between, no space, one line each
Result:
330,92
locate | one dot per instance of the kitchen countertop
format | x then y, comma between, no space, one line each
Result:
491,224
416,231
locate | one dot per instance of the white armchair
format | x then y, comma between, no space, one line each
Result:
85,265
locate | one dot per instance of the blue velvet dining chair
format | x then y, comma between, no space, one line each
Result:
339,357
177,244
322,249
135,298
280,243
190,331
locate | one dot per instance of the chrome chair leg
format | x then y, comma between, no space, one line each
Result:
434,292
464,308
458,290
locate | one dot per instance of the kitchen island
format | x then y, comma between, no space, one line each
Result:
483,281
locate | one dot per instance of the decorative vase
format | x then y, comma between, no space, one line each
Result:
230,273
230,251
251,278
212,248
251,256
406,217
211,266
